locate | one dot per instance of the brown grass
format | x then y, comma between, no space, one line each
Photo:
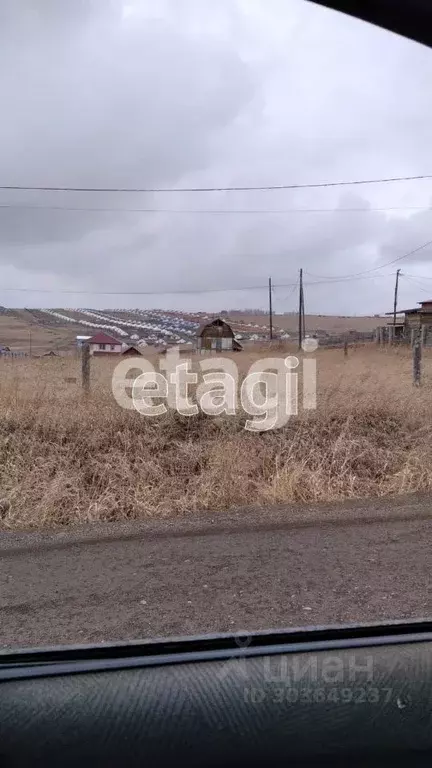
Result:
64,460
330,323
21,333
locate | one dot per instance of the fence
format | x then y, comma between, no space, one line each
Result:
354,337
13,354
416,338
386,335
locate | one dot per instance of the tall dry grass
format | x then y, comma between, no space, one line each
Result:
64,460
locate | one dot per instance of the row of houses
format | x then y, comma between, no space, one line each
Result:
213,336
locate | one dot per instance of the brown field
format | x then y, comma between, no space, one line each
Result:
66,460
329,323
23,336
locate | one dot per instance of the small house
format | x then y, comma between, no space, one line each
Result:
421,316
102,344
217,336
414,318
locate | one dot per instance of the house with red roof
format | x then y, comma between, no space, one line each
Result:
104,344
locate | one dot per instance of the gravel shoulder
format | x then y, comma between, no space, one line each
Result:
326,564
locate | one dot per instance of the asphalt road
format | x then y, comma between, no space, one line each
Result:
362,563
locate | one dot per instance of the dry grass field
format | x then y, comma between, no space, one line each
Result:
65,459
22,336
332,324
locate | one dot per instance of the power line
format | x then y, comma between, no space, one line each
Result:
411,278
416,283
264,188
420,277
381,266
134,293
210,211
289,294
178,291
399,258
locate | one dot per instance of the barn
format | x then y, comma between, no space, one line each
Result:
217,336
415,318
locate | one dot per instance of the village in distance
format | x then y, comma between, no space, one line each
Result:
61,332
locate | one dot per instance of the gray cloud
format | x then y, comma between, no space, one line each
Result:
198,93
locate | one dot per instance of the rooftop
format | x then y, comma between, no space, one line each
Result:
412,310
103,338
405,311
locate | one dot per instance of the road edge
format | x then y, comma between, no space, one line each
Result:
241,520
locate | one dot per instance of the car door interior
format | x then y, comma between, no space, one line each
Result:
325,696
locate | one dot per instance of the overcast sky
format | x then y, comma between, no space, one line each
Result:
177,93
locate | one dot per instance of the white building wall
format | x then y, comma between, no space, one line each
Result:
117,348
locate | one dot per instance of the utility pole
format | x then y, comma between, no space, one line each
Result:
395,296
417,357
270,310
303,310
301,320
85,368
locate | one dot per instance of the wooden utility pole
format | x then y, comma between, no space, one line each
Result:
303,311
417,355
270,310
395,296
301,319
85,368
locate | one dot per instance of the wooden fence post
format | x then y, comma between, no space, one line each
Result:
412,337
345,348
417,355
85,368
423,335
